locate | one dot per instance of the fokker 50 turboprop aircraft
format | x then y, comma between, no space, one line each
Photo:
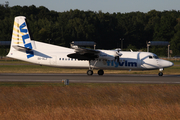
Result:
23,48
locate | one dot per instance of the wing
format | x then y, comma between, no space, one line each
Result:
84,54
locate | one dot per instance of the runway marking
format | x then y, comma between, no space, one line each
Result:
123,81
81,78
91,81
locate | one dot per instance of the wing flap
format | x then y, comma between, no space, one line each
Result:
84,54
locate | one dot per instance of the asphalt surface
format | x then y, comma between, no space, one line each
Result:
83,78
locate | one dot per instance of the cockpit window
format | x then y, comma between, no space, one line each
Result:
153,57
156,57
150,57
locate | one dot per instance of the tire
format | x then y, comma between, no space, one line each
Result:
100,72
160,74
89,72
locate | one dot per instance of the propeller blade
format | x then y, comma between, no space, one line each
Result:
117,59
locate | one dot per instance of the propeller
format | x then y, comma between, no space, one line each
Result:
118,54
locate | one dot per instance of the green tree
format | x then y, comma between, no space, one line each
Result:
104,28
175,41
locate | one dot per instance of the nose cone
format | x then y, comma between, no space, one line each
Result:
171,64
165,63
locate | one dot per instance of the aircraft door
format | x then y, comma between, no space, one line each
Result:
140,60
139,63
53,60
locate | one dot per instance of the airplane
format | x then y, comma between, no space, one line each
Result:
24,48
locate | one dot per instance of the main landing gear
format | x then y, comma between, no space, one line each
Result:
90,71
100,72
161,73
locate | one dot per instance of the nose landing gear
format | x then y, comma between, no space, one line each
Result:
161,73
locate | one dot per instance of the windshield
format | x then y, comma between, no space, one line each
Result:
156,57
153,57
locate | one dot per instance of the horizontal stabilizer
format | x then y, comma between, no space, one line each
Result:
21,48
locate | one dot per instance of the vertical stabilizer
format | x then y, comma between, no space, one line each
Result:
20,38
20,35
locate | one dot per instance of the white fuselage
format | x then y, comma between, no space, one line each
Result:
23,48
52,55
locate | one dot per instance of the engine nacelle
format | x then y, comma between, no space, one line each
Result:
113,55
106,56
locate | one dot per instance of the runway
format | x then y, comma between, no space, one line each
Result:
83,78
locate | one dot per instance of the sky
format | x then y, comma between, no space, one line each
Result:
111,6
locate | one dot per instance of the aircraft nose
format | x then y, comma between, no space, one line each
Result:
165,63
171,64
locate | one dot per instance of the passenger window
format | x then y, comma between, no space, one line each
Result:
150,57
62,58
59,58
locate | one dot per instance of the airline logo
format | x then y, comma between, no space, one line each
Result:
16,34
125,63
25,37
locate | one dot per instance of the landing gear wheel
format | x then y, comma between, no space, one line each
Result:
89,72
160,74
100,72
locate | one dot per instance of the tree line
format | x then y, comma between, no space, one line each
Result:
60,28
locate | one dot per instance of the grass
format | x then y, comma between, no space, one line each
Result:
89,101
54,101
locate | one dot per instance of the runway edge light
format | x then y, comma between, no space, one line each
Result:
65,81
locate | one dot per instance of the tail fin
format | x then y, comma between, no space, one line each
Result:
20,38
